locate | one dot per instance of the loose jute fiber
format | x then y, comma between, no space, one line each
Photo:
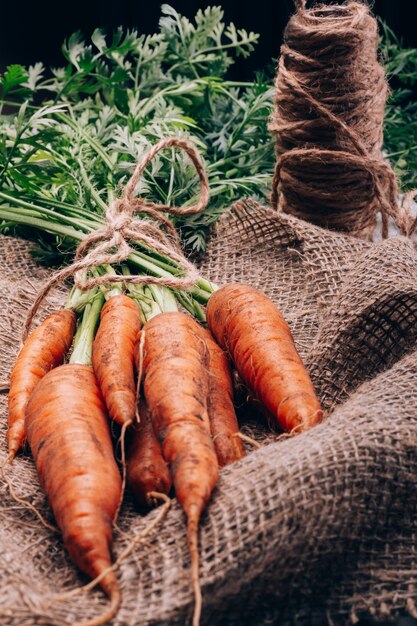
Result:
328,119
319,528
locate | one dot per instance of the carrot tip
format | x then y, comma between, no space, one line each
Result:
123,463
115,600
153,496
195,570
248,439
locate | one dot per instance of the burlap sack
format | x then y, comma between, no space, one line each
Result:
319,528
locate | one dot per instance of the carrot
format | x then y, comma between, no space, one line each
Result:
68,432
146,468
113,356
43,350
248,325
175,360
223,420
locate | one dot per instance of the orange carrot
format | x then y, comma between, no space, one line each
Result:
68,432
223,420
247,324
43,350
175,361
113,356
146,469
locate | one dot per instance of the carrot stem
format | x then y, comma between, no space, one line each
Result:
164,298
191,305
83,343
151,262
152,299
156,300
114,289
78,299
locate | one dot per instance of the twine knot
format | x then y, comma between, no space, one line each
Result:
116,221
131,220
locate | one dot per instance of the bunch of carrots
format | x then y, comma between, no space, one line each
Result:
167,381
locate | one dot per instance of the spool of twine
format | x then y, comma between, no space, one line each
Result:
328,119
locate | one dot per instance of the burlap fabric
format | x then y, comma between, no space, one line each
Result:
319,528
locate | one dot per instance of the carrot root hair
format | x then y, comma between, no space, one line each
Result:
247,439
139,365
153,497
192,538
122,442
297,429
24,503
109,613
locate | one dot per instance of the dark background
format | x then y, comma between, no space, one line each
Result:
34,30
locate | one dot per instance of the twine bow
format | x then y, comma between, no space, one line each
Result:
111,243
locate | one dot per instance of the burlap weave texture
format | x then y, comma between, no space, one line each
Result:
319,528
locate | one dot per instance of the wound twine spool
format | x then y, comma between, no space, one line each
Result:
328,119
132,219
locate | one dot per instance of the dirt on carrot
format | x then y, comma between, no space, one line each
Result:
43,350
113,356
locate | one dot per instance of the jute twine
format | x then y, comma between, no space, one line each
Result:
110,244
328,119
